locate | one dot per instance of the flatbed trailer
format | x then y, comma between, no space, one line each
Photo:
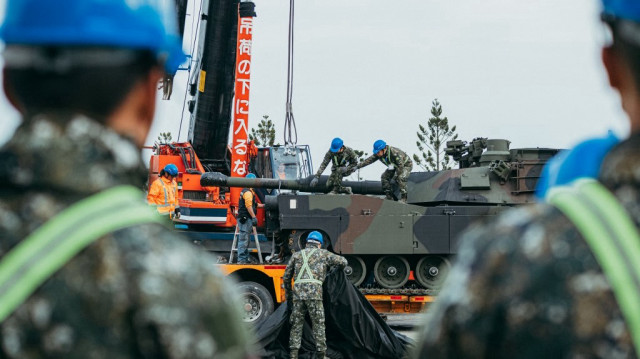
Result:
262,290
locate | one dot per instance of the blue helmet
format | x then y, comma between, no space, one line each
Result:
336,144
623,9
378,146
316,237
171,169
140,24
250,175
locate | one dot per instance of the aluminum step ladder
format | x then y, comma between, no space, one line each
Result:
234,245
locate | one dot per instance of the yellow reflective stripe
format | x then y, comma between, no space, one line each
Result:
46,250
613,238
306,269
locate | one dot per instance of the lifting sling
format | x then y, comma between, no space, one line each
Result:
31,262
305,269
613,238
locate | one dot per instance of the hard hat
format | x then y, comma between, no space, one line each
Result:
623,9
138,25
378,146
336,144
316,237
171,169
250,175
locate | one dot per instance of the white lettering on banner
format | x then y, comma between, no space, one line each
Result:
240,146
245,47
242,126
245,85
246,25
240,167
244,67
242,107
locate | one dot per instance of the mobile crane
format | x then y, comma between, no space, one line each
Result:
219,105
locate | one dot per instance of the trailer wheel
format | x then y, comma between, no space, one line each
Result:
257,303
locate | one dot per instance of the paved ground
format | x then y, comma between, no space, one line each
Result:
407,324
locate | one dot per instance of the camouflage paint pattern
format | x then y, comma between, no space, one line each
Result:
440,205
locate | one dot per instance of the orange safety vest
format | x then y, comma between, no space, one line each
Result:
163,195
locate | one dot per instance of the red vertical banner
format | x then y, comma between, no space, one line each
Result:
239,149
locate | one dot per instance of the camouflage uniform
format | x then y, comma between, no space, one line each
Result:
308,296
140,292
347,158
528,285
398,164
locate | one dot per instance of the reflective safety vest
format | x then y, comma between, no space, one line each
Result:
37,257
170,201
339,162
612,237
387,160
306,270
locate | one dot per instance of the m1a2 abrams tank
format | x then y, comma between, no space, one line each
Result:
385,240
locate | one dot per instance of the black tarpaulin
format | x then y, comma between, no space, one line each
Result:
354,328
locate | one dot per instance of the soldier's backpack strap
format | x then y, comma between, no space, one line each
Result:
613,238
306,269
41,254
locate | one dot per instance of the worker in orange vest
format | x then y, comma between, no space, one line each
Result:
163,192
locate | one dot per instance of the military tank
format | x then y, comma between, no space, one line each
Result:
387,243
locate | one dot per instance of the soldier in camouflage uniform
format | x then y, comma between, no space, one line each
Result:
308,269
529,285
398,164
344,162
141,291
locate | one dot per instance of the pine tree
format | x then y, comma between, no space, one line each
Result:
433,139
265,135
361,155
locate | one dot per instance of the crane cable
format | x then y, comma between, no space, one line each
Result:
191,61
290,130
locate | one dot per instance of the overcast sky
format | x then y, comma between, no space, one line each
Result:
526,71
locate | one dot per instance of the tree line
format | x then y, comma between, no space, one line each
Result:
431,142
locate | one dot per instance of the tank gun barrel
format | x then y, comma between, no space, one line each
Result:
217,179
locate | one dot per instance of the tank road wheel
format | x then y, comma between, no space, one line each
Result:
355,270
431,271
298,240
257,303
391,271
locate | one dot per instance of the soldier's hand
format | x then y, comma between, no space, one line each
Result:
314,181
342,170
254,221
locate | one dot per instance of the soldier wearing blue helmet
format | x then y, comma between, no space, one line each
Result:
344,161
558,279
308,269
87,269
398,164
